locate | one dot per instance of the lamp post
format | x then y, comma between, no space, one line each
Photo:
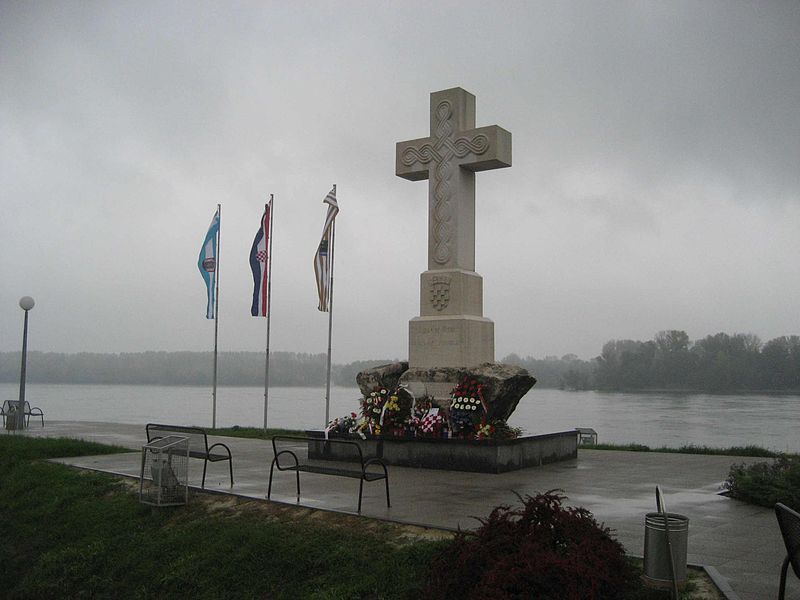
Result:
25,303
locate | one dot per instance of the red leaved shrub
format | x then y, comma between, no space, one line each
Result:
541,550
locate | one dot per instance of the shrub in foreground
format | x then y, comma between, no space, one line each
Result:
541,550
766,483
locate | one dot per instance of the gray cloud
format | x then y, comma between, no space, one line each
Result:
655,183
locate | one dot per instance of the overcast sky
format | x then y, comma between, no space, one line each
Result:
655,181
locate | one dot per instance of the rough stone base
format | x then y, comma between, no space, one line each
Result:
503,385
384,376
488,456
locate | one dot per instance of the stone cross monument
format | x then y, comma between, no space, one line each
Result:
451,330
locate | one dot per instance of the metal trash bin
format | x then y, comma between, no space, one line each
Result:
656,553
164,478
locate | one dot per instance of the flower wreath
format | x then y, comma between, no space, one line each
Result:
468,409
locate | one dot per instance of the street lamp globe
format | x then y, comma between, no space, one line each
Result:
26,303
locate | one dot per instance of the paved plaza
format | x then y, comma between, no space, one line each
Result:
741,542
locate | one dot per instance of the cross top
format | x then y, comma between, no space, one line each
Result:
449,158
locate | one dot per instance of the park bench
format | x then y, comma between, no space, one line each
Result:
287,459
789,523
586,435
198,444
29,412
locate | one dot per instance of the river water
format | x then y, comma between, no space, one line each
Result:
652,419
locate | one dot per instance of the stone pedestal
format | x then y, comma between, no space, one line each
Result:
450,341
451,330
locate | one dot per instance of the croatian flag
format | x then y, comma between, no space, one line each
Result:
259,264
207,263
322,265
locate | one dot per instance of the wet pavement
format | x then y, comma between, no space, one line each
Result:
741,542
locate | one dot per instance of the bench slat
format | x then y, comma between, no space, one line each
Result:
338,472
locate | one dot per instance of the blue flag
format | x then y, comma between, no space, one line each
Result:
207,263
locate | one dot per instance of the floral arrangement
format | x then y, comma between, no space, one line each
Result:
372,405
343,425
433,424
422,406
484,431
398,413
468,409
502,430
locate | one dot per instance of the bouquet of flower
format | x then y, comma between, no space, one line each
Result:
484,431
413,424
422,406
432,425
396,412
502,430
467,407
372,405
343,425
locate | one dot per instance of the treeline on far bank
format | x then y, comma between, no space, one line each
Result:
180,368
671,361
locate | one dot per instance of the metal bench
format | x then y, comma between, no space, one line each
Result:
29,411
287,460
586,435
789,522
198,444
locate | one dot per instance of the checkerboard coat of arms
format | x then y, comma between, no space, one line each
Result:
440,292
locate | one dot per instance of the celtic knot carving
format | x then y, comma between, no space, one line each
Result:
443,216
459,148
441,150
424,154
463,146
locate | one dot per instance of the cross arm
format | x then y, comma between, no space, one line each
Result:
489,148
413,159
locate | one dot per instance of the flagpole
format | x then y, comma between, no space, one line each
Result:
269,309
330,323
216,322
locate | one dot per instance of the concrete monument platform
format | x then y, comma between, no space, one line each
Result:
475,456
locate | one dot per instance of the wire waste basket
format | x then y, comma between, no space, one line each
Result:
164,478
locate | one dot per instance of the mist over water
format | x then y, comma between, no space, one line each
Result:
652,419
671,420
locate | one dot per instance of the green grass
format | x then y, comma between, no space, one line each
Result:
254,432
75,534
753,451
17,448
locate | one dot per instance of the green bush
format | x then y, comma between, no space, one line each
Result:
766,483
